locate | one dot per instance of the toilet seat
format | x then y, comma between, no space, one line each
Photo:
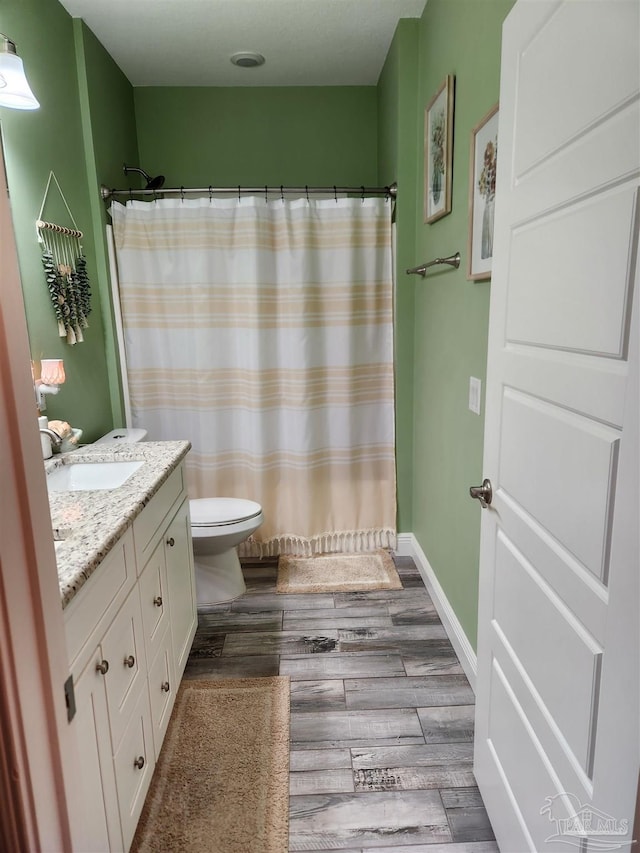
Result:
218,512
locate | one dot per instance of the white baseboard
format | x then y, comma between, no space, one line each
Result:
408,546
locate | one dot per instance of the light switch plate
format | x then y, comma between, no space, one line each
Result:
475,393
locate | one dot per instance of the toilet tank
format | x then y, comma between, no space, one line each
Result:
123,436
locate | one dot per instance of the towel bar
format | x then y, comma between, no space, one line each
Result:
452,261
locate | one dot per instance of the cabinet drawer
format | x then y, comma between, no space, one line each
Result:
133,780
123,649
95,605
162,690
147,523
154,601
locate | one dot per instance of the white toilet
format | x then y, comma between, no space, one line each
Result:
218,525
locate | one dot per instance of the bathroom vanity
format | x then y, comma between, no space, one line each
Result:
125,565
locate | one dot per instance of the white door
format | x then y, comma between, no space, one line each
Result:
558,712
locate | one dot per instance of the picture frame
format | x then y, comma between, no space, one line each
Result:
438,151
483,164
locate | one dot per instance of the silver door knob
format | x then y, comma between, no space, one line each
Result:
139,762
130,661
483,493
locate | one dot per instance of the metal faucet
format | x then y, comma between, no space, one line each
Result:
55,438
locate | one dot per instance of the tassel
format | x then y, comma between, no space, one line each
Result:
343,542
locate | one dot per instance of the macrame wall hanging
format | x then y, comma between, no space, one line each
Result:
65,269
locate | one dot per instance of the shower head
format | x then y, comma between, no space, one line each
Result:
152,183
155,183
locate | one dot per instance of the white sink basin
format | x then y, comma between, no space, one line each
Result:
83,476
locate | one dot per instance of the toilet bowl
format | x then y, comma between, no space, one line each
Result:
218,525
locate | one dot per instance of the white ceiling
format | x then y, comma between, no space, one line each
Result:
189,42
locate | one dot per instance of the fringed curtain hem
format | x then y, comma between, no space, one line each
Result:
344,542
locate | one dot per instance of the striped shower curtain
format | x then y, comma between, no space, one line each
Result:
263,333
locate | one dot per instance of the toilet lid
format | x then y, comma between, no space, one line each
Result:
209,512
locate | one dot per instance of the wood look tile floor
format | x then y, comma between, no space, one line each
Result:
381,712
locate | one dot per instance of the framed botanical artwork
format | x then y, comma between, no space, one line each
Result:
438,152
482,192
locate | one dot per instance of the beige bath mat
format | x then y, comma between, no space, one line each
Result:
337,573
222,780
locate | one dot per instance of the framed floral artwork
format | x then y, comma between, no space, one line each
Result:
438,152
482,192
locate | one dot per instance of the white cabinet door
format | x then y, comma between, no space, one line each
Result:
558,692
162,689
134,762
96,826
154,601
181,584
123,648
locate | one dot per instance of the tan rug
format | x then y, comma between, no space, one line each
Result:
222,781
337,573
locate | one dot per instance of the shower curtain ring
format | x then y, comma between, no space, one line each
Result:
266,193
130,194
282,193
335,193
306,189
363,193
182,193
238,193
210,193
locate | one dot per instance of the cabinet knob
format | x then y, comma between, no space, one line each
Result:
158,601
102,667
130,661
171,542
139,762
166,687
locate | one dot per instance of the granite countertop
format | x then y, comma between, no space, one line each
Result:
89,523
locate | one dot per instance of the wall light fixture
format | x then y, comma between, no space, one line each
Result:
15,91
51,378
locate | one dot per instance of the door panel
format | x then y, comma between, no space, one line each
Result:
555,565
553,284
558,688
568,379
515,742
566,456
545,63
568,693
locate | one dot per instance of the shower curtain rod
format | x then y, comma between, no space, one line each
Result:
391,191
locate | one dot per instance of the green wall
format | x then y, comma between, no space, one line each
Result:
397,123
35,143
53,138
110,139
451,314
256,136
